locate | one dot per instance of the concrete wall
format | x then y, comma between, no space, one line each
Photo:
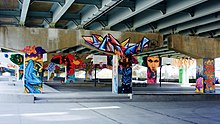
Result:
52,39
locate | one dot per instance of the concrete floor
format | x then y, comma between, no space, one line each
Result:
205,112
117,112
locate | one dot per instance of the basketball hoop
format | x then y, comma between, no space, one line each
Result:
100,64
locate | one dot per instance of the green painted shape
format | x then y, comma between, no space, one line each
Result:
180,75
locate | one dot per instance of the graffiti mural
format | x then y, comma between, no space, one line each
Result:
71,62
209,75
199,85
124,51
33,69
152,63
18,59
112,45
199,68
9,66
126,74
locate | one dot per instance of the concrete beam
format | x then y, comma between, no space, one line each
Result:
55,39
194,46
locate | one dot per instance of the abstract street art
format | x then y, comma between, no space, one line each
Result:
70,61
112,45
199,85
34,69
18,59
152,63
11,62
124,51
209,75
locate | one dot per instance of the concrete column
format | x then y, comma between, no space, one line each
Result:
87,75
206,69
70,78
209,75
183,76
180,75
17,73
185,80
199,68
115,74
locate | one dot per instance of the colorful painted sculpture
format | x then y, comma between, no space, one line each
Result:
111,45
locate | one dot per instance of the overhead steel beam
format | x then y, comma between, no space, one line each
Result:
45,24
125,13
8,13
52,1
127,3
206,28
120,27
211,34
24,10
158,50
72,49
202,10
80,48
94,13
97,3
37,14
8,23
60,11
162,53
70,16
172,55
164,48
202,29
194,23
173,7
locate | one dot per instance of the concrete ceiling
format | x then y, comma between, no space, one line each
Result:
187,17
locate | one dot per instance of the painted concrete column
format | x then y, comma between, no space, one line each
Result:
206,71
209,75
199,68
33,67
70,78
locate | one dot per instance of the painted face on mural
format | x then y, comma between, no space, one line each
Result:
153,63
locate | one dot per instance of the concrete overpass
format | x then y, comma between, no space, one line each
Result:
53,24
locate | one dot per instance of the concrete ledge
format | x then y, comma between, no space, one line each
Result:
76,84
16,98
174,97
60,98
